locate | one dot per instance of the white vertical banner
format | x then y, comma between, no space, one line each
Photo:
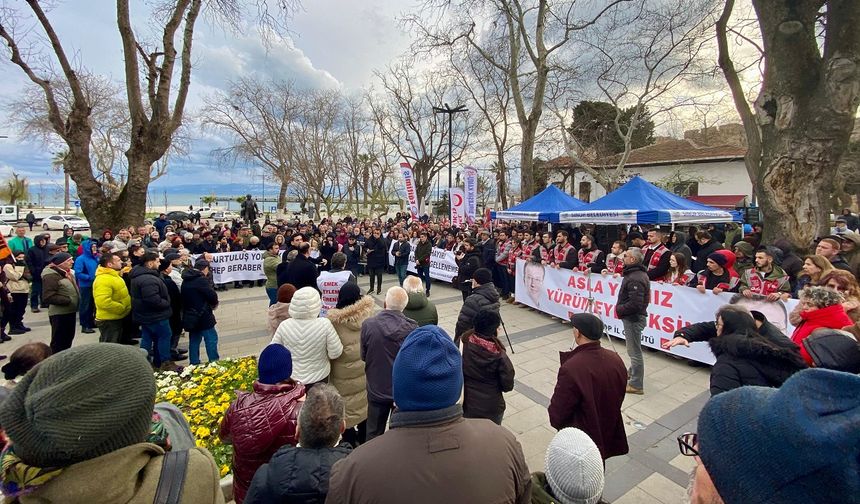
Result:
458,207
409,186
471,181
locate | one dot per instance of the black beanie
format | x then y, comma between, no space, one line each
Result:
487,322
482,276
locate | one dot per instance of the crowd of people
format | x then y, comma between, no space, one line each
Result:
359,404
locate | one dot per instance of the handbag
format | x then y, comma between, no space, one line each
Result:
191,318
172,478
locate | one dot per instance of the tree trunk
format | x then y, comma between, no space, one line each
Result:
527,174
282,196
501,179
66,202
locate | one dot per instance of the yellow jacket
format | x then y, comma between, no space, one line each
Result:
110,295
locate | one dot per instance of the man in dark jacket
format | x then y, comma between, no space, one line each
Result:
352,249
377,259
656,260
590,389
381,337
707,246
467,263
487,370
37,259
150,307
198,300
432,454
484,296
401,251
632,308
165,268
423,251
301,473
302,272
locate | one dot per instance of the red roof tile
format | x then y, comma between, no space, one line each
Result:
668,152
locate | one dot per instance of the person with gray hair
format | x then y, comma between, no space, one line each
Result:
632,308
381,337
301,473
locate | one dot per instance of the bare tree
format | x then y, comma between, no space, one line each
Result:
403,113
532,33
157,80
799,126
646,62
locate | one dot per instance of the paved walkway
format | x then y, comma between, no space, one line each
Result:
653,471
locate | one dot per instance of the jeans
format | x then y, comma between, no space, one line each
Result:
35,292
273,295
210,339
110,331
424,275
62,331
377,417
155,337
376,274
401,272
633,339
87,308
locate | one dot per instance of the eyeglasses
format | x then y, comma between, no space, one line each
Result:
687,443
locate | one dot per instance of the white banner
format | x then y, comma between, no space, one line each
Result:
458,207
562,292
471,182
443,264
237,266
409,186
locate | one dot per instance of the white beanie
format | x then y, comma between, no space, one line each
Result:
574,469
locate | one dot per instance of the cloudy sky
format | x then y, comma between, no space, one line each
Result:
334,43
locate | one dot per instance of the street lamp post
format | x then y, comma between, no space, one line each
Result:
450,111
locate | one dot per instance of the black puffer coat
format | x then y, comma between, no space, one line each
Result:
744,359
634,293
487,372
150,300
295,474
483,297
198,300
377,252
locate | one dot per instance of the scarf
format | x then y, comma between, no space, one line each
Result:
19,478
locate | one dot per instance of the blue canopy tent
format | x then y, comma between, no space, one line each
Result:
640,202
544,206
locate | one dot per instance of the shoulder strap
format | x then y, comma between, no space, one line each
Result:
173,468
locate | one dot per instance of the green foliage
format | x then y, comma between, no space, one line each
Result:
209,200
594,128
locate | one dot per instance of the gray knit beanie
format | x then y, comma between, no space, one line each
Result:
574,469
80,404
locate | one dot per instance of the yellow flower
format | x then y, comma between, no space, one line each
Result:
203,432
170,395
224,470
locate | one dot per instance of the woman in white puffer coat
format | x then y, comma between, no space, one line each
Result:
311,340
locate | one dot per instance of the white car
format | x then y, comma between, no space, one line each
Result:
223,216
60,222
6,229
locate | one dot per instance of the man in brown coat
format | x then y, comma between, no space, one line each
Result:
431,454
590,389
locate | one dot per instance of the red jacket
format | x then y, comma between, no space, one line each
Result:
831,317
257,424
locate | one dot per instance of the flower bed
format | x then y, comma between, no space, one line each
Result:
204,393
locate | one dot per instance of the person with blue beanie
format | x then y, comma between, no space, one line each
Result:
431,453
793,445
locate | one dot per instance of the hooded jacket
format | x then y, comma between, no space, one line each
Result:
150,301
110,295
744,359
37,256
198,297
680,246
86,265
312,340
59,292
347,371
703,253
421,310
483,297
487,372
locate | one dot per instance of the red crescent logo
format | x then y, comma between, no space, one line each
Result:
458,200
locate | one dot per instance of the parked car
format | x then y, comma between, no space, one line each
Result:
223,216
177,215
55,222
6,229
